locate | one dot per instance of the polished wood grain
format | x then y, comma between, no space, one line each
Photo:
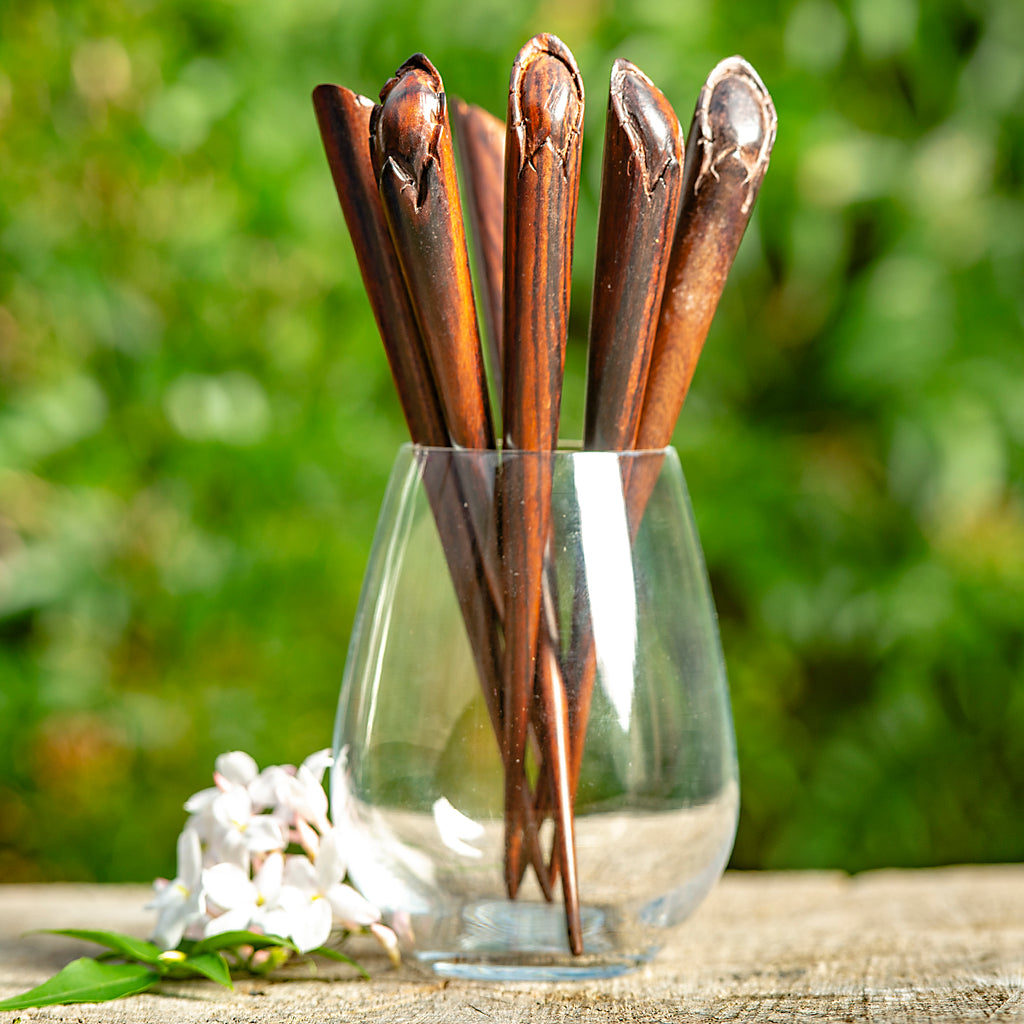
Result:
411,148
640,191
669,228
727,154
641,188
344,121
542,166
480,137
461,497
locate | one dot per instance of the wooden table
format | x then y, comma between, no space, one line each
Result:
938,945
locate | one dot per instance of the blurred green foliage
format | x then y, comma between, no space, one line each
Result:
196,419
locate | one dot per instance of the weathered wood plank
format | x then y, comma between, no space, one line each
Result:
941,945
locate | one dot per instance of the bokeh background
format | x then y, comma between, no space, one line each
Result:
196,418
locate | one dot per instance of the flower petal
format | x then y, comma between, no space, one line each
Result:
330,861
309,838
237,920
309,800
229,886
263,834
317,763
237,767
228,847
311,927
170,926
199,802
387,938
275,921
350,908
300,874
270,788
268,878
190,857
232,808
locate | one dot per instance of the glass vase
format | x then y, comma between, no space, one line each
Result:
621,665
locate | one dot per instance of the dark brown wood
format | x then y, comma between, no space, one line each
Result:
453,489
481,150
464,526
344,120
640,192
412,153
727,154
411,148
542,165
555,727
726,158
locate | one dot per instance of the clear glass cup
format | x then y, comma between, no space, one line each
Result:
627,619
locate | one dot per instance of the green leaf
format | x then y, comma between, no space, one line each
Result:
126,945
210,965
333,954
86,981
229,940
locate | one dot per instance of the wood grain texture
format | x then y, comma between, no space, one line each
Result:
461,502
641,188
460,495
938,945
640,191
727,154
543,149
344,120
411,148
481,151
542,167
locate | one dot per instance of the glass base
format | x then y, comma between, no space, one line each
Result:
503,971
503,940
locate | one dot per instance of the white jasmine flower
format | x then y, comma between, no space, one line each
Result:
318,898
295,794
246,903
238,832
180,903
271,787
248,818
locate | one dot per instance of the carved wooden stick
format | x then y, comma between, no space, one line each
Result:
344,121
727,154
640,191
481,140
640,194
411,148
542,166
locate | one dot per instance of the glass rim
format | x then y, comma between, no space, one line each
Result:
566,447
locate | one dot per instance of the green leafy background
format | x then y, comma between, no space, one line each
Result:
196,418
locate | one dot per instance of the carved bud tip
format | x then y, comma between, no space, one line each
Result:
549,101
636,100
737,116
404,126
